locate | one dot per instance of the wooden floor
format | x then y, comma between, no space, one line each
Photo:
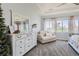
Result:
58,48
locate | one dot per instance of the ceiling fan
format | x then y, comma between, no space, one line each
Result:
66,3
61,4
57,6
76,3
51,9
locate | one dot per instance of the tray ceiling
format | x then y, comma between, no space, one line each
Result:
47,8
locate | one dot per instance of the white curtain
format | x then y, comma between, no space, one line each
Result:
49,25
74,24
66,24
42,24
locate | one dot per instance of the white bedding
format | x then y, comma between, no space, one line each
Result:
75,38
74,42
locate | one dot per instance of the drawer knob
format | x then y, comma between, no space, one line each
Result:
20,47
28,45
19,36
20,41
20,52
28,39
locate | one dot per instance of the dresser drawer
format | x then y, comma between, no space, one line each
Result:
19,52
28,40
27,48
20,36
20,42
34,42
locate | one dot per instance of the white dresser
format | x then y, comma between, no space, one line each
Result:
23,42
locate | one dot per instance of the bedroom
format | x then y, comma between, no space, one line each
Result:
53,25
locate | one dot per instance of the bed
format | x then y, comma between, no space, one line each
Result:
74,42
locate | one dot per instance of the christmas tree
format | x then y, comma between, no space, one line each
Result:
3,40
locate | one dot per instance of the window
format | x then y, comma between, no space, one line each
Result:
53,25
59,26
62,25
48,25
56,25
65,25
76,24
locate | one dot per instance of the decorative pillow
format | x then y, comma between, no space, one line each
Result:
53,34
47,33
38,32
44,34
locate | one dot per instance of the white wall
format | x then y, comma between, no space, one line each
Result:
25,9
35,19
